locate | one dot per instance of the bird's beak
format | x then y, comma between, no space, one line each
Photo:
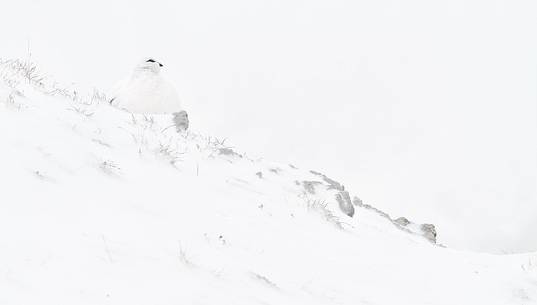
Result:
160,64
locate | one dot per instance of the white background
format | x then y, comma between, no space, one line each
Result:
427,109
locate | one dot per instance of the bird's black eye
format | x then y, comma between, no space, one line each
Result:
150,60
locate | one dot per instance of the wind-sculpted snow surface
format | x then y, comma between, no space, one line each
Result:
99,206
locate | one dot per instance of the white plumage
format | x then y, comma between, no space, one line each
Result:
146,91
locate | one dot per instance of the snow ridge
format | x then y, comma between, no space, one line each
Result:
101,206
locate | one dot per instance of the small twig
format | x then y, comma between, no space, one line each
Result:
107,250
183,257
163,130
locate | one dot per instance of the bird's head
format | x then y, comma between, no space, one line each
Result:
150,64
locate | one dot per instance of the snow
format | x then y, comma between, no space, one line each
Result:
426,108
99,206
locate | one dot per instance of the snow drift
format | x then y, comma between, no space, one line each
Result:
99,206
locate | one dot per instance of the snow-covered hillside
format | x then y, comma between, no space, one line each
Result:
102,207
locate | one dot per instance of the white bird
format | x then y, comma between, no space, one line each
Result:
147,92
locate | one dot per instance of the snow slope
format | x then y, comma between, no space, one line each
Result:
102,207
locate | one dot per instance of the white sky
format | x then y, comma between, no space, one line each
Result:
427,109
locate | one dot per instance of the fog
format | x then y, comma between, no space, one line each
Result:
426,109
